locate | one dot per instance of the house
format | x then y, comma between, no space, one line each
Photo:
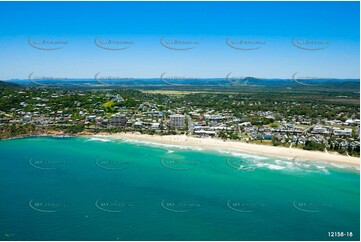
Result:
245,124
155,126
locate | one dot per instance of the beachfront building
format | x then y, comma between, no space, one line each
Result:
177,121
117,120
204,132
155,125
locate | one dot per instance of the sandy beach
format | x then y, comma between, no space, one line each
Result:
240,146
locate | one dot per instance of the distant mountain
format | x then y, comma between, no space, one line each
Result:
166,81
9,85
341,85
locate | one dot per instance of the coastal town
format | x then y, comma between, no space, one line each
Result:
45,111
174,121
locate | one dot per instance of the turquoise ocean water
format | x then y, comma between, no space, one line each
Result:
105,189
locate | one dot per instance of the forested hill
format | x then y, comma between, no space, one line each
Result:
8,85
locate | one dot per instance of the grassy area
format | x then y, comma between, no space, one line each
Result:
244,136
108,104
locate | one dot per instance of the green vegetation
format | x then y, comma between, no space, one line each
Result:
311,145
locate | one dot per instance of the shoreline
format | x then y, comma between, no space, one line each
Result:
282,152
212,144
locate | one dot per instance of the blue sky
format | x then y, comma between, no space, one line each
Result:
209,24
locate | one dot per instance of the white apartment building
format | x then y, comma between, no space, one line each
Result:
177,121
